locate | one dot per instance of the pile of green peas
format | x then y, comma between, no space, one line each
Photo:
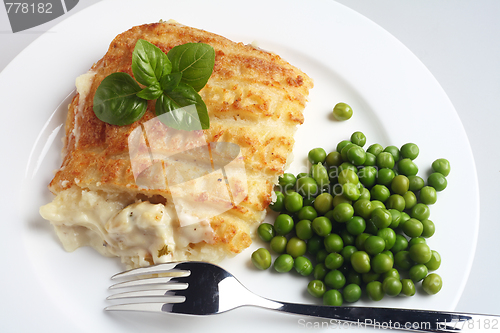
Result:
357,222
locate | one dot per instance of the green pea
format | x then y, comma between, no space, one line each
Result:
266,232
385,177
321,256
435,262
409,150
302,174
343,212
332,297
381,217
307,213
374,245
344,151
416,240
400,244
307,187
392,286
404,217
360,261
367,176
420,211
418,272
303,229
323,203
283,224
314,244
385,160
402,260
353,277
278,244
351,293
261,259
338,199
350,191
284,263
334,260
333,159
347,238
356,225
296,247
428,228
400,184
438,181
381,263
356,155
358,138
320,174
410,199
348,176
389,237
371,228
342,111
432,284
293,202
360,240
413,228
442,166
393,272
396,218
279,204
375,149
319,271
420,253
364,194
287,181
363,208
375,291
348,166
407,167
342,144
335,279
416,183
395,202
370,160
316,155
321,226
347,252
394,152
303,266
428,195
333,243
408,287
370,276
316,288
308,202
377,204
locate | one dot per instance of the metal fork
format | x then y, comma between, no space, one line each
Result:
199,288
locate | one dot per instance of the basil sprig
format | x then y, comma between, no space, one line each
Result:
172,79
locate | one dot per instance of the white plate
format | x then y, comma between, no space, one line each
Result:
395,98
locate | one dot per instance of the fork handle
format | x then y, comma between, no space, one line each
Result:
391,318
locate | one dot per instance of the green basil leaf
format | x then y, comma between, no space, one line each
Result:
183,108
116,101
149,63
195,61
170,81
152,92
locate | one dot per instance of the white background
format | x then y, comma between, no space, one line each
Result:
459,42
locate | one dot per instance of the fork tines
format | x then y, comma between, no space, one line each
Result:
164,285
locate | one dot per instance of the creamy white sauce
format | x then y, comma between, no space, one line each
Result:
140,233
